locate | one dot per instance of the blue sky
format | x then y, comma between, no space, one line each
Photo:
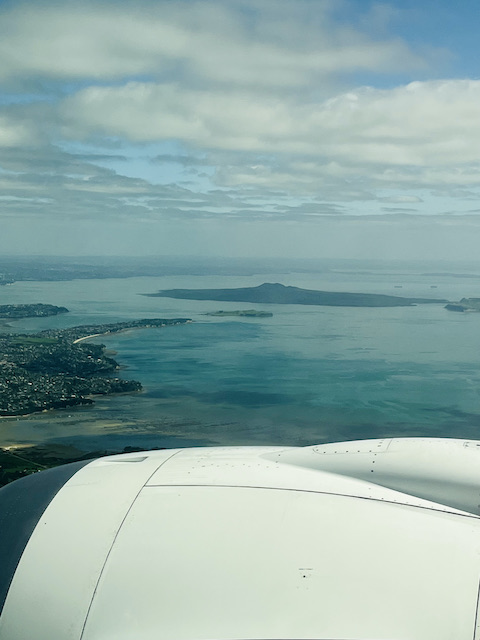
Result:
296,128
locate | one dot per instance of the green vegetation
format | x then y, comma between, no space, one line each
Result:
22,339
16,462
19,461
15,465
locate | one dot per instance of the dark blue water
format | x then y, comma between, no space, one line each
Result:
309,374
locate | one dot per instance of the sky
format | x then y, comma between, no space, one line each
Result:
283,128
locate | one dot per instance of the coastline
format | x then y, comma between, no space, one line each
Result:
93,335
71,374
90,396
109,333
25,415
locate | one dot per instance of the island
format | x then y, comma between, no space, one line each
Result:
57,368
465,304
280,294
16,311
245,313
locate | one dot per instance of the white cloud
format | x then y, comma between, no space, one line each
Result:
17,132
282,44
421,123
424,133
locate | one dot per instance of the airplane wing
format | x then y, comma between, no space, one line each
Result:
368,540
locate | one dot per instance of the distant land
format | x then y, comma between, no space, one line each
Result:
54,368
15,311
280,294
63,268
447,274
465,304
245,313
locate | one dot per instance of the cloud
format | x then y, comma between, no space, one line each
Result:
279,44
341,150
398,210
400,199
17,132
263,105
423,124
55,185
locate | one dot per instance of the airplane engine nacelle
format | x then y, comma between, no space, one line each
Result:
442,470
362,540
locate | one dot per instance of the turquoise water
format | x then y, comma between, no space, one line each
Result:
307,375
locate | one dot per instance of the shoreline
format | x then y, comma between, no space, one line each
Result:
108,333
87,368
93,335
125,329
90,396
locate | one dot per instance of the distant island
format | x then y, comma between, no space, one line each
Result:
245,313
55,368
280,294
16,311
465,304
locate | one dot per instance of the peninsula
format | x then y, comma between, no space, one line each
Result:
245,313
280,294
56,368
16,311
76,334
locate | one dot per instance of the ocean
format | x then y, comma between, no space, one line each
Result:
306,375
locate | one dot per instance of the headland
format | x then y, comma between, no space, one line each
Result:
16,311
54,368
244,313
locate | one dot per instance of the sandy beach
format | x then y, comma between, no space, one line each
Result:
94,335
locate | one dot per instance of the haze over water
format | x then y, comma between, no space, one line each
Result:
308,374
